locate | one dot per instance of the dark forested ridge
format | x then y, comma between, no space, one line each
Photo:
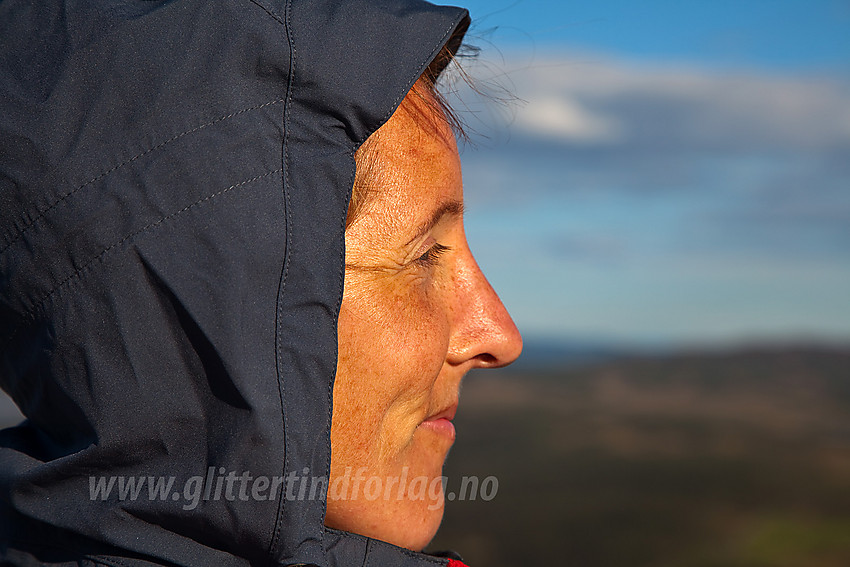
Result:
705,459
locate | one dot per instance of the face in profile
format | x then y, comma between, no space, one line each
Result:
417,314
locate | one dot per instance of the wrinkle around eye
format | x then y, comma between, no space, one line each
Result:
350,266
390,262
373,259
395,278
387,268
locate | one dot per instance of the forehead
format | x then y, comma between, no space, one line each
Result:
413,168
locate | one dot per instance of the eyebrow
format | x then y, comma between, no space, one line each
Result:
449,208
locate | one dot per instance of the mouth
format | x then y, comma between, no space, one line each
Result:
441,422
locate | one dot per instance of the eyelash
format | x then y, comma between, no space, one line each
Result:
432,255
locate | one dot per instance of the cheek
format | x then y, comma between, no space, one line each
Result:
418,332
393,339
396,327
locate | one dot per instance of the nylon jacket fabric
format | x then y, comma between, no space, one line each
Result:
174,179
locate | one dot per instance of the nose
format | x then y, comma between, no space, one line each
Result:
483,334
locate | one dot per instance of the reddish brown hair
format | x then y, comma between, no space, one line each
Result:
424,92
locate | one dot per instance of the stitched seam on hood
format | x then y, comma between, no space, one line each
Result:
30,313
287,107
40,214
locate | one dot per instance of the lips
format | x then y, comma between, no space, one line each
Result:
447,413
441,422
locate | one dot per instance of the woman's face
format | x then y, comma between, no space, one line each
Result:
417,314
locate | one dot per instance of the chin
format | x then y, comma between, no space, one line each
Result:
419,544
419,528
409,513
408,510
417,517
411,524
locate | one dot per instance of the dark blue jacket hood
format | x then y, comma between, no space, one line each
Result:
174,179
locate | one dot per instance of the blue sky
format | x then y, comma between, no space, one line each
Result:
679,174
781,34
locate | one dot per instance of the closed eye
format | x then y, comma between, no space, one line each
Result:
432,256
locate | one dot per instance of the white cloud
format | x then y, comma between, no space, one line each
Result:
600,101
565,118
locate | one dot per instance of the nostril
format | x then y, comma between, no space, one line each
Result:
487,359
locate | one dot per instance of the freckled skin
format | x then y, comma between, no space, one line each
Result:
408,331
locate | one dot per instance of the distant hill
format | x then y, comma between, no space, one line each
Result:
541,354
702,459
